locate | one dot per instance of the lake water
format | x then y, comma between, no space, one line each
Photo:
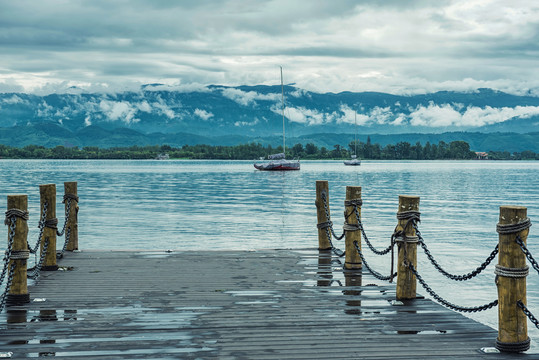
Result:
213,205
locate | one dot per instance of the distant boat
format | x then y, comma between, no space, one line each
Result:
278,162
354,161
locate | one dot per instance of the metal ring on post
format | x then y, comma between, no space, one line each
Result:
353,202
405,215
512,272
513,228
70,197
17,213
19,254
513,347
51,223
351,227
324,225
407,239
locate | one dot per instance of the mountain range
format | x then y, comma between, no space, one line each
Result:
224,115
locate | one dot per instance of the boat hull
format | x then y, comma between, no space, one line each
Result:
353,162
278,166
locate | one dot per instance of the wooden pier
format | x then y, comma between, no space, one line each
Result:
269,304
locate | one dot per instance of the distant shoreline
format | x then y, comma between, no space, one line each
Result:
455,150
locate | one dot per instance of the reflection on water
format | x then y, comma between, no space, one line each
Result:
352,278
212,205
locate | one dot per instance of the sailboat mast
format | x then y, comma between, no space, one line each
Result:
282,99
355,137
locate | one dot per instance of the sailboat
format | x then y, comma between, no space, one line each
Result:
278,162
354,161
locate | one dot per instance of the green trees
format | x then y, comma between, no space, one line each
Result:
251,151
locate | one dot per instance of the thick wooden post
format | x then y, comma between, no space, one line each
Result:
407,245
322,214
18,292
511,274
72,226
48,198
351,229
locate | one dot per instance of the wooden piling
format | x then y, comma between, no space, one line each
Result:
18,292
323,214
407,247
72,226
351,229
511,274
48,196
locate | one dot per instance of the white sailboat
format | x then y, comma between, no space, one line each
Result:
278,162
354,161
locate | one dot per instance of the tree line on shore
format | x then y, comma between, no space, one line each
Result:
367,150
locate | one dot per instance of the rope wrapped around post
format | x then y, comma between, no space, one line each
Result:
352,233
48,196
71,201
511,272
325,225
17,217
406,239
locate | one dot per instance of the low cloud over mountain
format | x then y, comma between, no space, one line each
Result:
254,112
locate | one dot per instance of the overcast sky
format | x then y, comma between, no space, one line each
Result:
394,46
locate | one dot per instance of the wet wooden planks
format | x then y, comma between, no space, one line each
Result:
271,304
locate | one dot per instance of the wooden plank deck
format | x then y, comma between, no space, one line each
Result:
270,304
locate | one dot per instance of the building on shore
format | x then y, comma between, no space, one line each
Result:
481,155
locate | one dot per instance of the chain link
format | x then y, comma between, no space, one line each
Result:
41,226
445,302
67,211
373,249
37,268
335,250
527,312
525,250
374,273
66,242
468,276
328,218
8,286
7,254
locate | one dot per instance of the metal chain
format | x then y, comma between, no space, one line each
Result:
61,253
67,211
442,300
527,312
324,200
7,254
373,249
525,250
374,273
8,286
468,276
41,226
335,250
37,268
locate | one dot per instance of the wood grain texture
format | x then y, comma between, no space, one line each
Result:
269,304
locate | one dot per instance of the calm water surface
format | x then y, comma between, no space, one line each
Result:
212,205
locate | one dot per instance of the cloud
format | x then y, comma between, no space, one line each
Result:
13,100
119,110
306,116
247,98
472,116
432,115
247,123
400,47
203,114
